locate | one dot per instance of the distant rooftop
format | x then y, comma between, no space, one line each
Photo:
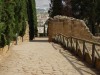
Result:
42,11
42,4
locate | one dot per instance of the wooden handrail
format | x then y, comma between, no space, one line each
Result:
86,41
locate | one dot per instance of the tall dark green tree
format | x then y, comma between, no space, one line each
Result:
56,8
85,10
34,16
12,20
97,18
67,8
31,10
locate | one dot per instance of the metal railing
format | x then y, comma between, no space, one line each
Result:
75,44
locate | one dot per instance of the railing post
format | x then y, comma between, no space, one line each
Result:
56,38
71,42
93,55
76,46
67,42
59,39
63,41
83,50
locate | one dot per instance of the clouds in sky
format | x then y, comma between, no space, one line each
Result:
42,4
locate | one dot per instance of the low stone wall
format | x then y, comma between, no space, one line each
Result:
5,52
70,27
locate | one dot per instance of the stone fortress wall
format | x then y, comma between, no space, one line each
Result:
70,27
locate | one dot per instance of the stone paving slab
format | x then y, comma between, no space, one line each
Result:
81,66
37,57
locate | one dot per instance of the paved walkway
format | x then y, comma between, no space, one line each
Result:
41,58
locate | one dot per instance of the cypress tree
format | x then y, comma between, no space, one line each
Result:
56,8
8,19
32,19
13,15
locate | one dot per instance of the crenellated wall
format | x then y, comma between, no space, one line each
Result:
70,27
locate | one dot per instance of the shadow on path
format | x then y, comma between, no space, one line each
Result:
40,40
78,64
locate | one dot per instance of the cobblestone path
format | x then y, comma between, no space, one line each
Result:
38,58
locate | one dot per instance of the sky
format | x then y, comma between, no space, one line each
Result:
42,4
